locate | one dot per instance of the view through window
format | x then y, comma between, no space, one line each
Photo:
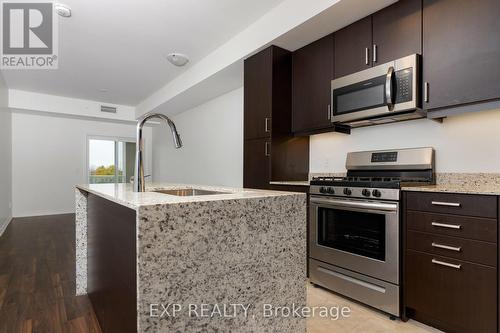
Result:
110,161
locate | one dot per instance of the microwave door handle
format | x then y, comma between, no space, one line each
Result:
389,89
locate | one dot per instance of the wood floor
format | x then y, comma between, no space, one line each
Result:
37,287
37,278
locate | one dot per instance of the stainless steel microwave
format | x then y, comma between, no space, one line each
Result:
381,94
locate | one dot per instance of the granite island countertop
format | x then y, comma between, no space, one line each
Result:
122,194
244,246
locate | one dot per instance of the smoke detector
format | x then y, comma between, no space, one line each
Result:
177,59
62,10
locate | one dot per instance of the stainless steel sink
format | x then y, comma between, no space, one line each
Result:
189,192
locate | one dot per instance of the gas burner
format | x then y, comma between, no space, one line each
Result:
379,175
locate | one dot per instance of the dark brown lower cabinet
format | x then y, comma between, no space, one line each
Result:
111,265
453,299
451,260
256,166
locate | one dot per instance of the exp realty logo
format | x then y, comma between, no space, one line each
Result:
29,35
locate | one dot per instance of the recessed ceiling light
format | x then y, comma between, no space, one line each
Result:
103,90
177,59
62,10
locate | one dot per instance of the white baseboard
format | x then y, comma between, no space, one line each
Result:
4,224
43,213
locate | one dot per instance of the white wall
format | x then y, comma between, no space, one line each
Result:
5,158
49,158
31,101
464,143
212,134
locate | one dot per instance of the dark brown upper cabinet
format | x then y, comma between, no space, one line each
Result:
311,76
391,33
461,50
397,31
271,152
352,48
258,87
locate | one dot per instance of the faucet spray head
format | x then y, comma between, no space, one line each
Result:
177,138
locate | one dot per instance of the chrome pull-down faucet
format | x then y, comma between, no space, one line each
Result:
139,184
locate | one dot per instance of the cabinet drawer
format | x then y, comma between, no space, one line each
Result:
457,248
453,225
460,204
455,299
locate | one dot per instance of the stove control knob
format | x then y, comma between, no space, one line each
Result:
322,189
377,193
347,191
331,190
366,192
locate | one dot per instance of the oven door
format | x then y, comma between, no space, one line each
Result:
358,235
375,92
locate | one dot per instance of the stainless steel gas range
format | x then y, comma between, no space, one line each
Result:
354,236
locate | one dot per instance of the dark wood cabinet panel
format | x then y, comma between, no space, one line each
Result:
460,299
312,74
450,268
350,48
274,154
258,100
453,225
484,253
256,164
397,31
111,264
458,204
461,48
289,158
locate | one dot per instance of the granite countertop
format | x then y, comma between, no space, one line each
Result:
291,182
488,189
123,194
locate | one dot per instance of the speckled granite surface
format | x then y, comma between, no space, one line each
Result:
122,194
232,251
243,247
81,242
467,183
291,183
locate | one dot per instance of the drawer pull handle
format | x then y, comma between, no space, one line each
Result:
447,264
447,247
444,225
447,204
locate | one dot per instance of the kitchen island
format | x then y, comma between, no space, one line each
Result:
218,260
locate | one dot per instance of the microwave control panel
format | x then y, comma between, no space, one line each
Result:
404,86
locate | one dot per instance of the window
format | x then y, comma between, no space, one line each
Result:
110,160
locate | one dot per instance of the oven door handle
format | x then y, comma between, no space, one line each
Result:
357,204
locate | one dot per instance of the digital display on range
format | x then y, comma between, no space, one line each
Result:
385,157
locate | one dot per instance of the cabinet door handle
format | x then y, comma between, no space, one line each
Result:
367,55
444,225
267,150
447,247
267,125
329,114
447,264
426,92
374,52
447,204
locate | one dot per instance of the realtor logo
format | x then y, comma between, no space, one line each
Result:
29,35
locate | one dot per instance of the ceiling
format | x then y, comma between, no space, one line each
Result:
114,51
